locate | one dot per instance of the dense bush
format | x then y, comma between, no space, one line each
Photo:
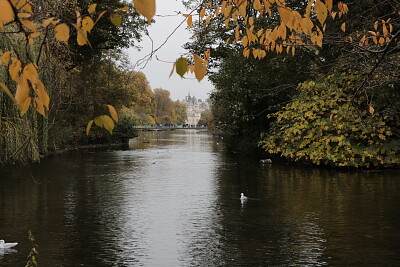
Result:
124,130
325,125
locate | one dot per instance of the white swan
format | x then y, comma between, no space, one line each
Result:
3,244
242,197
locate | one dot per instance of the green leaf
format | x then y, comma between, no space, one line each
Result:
116,19
181,66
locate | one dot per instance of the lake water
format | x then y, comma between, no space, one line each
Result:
172,199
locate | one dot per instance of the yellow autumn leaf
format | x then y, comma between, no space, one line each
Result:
227,11
47,21
345,8
329,5
30,73
99,17
29,24
385,30
42,94
343,27
99,121
18,3
371,109
146,7
5,58
15,69
376,24
92,9
87,24
245,41
89,125
307,25
257,5
217,11
189,21
25,106
81,37
237,35
108,123
321,11
242,8
22,92
251,21
286,15
202,13
27,7
38,104
7,13
8,92
24,15
62,33
200,69
105,122
34,34
113,112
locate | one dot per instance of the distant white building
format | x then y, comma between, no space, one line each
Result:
194,108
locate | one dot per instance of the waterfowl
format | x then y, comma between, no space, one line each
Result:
3,244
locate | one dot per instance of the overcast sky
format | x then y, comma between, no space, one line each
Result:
158,72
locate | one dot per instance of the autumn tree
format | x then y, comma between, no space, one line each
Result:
206,119
180,112
165,113
143,106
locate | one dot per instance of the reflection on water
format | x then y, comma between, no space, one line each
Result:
173,199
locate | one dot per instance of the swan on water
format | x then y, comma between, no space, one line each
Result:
3,244
242,197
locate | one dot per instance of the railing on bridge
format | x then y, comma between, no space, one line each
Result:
166,127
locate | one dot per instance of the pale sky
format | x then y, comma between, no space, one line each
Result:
158,72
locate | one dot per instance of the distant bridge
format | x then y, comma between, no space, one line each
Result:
168,127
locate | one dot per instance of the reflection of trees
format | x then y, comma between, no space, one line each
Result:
305,216
70,209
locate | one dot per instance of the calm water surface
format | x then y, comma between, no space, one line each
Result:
172,199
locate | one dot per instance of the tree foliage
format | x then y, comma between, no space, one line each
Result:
180,113
206,119
47,49
165,113
323,126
